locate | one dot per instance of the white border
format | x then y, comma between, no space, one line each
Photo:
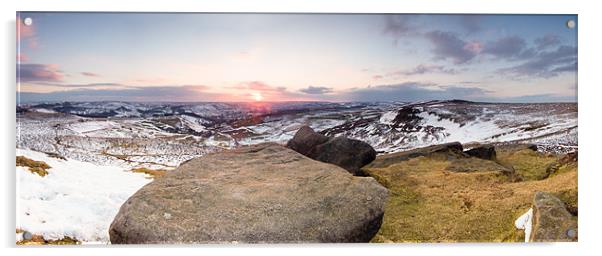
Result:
589,117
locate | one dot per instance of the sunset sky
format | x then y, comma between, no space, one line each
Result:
295,57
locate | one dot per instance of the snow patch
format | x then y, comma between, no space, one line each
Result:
88,126
76,199
388,117
44,110
525,222
477,130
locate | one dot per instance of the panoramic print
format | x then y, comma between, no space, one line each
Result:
204,128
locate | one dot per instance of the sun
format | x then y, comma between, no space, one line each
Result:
257,96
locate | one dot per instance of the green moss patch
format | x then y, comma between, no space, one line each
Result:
528,164
570,199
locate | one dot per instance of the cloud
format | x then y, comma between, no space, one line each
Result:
148,93
408,92
21,57
413,91
470,82
424,69
398,25
416,91
471,23
533,61
448,45
256,85
545,64
90,74
508,47
533,98
420,69
547,41
316,90
90,85
185,93
260,86
39,73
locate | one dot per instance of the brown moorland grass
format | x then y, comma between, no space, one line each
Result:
429,203
37,167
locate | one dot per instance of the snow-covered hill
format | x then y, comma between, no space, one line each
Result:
160,134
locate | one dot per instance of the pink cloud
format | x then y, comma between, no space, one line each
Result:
22,57
260,86
474,47
39,73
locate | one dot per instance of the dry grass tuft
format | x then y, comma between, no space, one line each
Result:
152,173
37,167
39,240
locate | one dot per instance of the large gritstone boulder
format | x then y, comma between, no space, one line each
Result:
305,140
350,154
265,193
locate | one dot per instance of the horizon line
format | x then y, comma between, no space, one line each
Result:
288,101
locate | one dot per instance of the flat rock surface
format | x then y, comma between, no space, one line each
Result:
260,194
551,220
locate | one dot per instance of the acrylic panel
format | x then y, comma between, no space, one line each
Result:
198,128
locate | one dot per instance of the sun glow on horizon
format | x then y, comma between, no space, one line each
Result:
257,96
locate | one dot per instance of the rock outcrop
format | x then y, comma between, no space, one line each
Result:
305,140
347,153
551,220
453,148
486,152
516,147
265,193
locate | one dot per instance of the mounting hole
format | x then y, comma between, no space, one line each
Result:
27,21
570,24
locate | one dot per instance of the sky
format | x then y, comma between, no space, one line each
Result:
195,57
